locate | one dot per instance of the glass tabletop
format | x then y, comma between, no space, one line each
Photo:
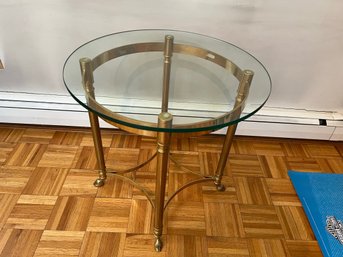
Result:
205,85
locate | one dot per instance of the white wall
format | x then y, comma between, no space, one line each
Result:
299,41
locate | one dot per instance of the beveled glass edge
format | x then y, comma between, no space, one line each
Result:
173,129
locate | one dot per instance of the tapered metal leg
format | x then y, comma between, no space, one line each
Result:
223,157
98,149
163,142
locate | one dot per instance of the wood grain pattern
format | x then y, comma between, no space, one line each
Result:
96,244
26,154
70,213
109,215
186,218
294,223
79,182
7,202
268,248
304,248
260,221
14,179
59,243
251,190
227,246
19,242
31,212
223,219
45,181
141,217
5,150
39,136
49,206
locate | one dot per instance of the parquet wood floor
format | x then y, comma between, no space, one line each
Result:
49,206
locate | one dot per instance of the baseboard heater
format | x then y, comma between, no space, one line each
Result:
62,110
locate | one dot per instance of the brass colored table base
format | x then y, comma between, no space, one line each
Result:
163,157
164,125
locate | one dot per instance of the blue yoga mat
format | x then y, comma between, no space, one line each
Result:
322,198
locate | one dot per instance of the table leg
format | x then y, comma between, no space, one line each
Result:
224,156
94,121
163,143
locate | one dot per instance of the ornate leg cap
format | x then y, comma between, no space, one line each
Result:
158,245
99,182
220,187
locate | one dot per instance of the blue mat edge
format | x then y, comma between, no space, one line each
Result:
322,241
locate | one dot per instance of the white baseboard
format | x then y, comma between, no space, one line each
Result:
62,110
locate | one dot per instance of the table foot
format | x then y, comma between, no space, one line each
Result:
220,188
99,182
158,244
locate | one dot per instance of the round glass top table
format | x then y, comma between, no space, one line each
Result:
165,83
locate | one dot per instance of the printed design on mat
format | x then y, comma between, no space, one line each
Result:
335,228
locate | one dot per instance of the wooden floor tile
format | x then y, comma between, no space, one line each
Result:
19,243
143,246
10,135
191,193
7,203
58,156
243,147
251,190
211,194
339,147
115,187
274,166
304,248
38,136
223,220
148,181
260,221
293,149
125,141
5,150
59,243
14,179
121,159
26,154
227,247
268,248
209,162
186,245
282,192
50,207
245,165
31,212
141,217
102,244
322,150
331,165
87,139
110,215
186,218
188,160
294,223
145,154
80,182
70,213
148,143
211,143
303,164
66,138
268,148
45,181
184,144
85,158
